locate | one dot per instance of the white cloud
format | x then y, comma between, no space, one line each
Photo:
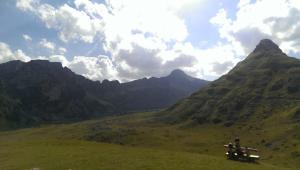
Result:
262,19
137,38
220,68
52,47
57,58
71,24
47,44
62,50
243,3
207,58
96,68
6,54
26,37
143,38
27,5
117,18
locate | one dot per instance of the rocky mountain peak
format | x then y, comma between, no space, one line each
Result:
267,45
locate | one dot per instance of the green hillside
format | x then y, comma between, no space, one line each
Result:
266,83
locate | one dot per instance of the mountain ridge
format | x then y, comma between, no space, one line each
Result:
43,91
267,82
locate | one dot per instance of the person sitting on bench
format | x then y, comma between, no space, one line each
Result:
230,150
237,146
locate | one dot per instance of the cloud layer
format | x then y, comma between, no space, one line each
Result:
278,20
139,42
143,38
6,54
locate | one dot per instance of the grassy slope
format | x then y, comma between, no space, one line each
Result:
262,84
135,142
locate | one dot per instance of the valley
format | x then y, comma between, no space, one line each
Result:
150,85
257,101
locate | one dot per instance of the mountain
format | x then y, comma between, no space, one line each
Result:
42,91
156,93
266,83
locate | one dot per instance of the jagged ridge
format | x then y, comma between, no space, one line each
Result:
42,91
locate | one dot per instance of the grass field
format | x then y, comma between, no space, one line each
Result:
137,142
73,154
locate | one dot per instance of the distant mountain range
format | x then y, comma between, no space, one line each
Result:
154,93
265,84
42,91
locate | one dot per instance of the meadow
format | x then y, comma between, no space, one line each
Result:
138,141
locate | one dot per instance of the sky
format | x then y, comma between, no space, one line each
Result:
131,39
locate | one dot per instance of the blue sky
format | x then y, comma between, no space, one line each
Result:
125,40
18,23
